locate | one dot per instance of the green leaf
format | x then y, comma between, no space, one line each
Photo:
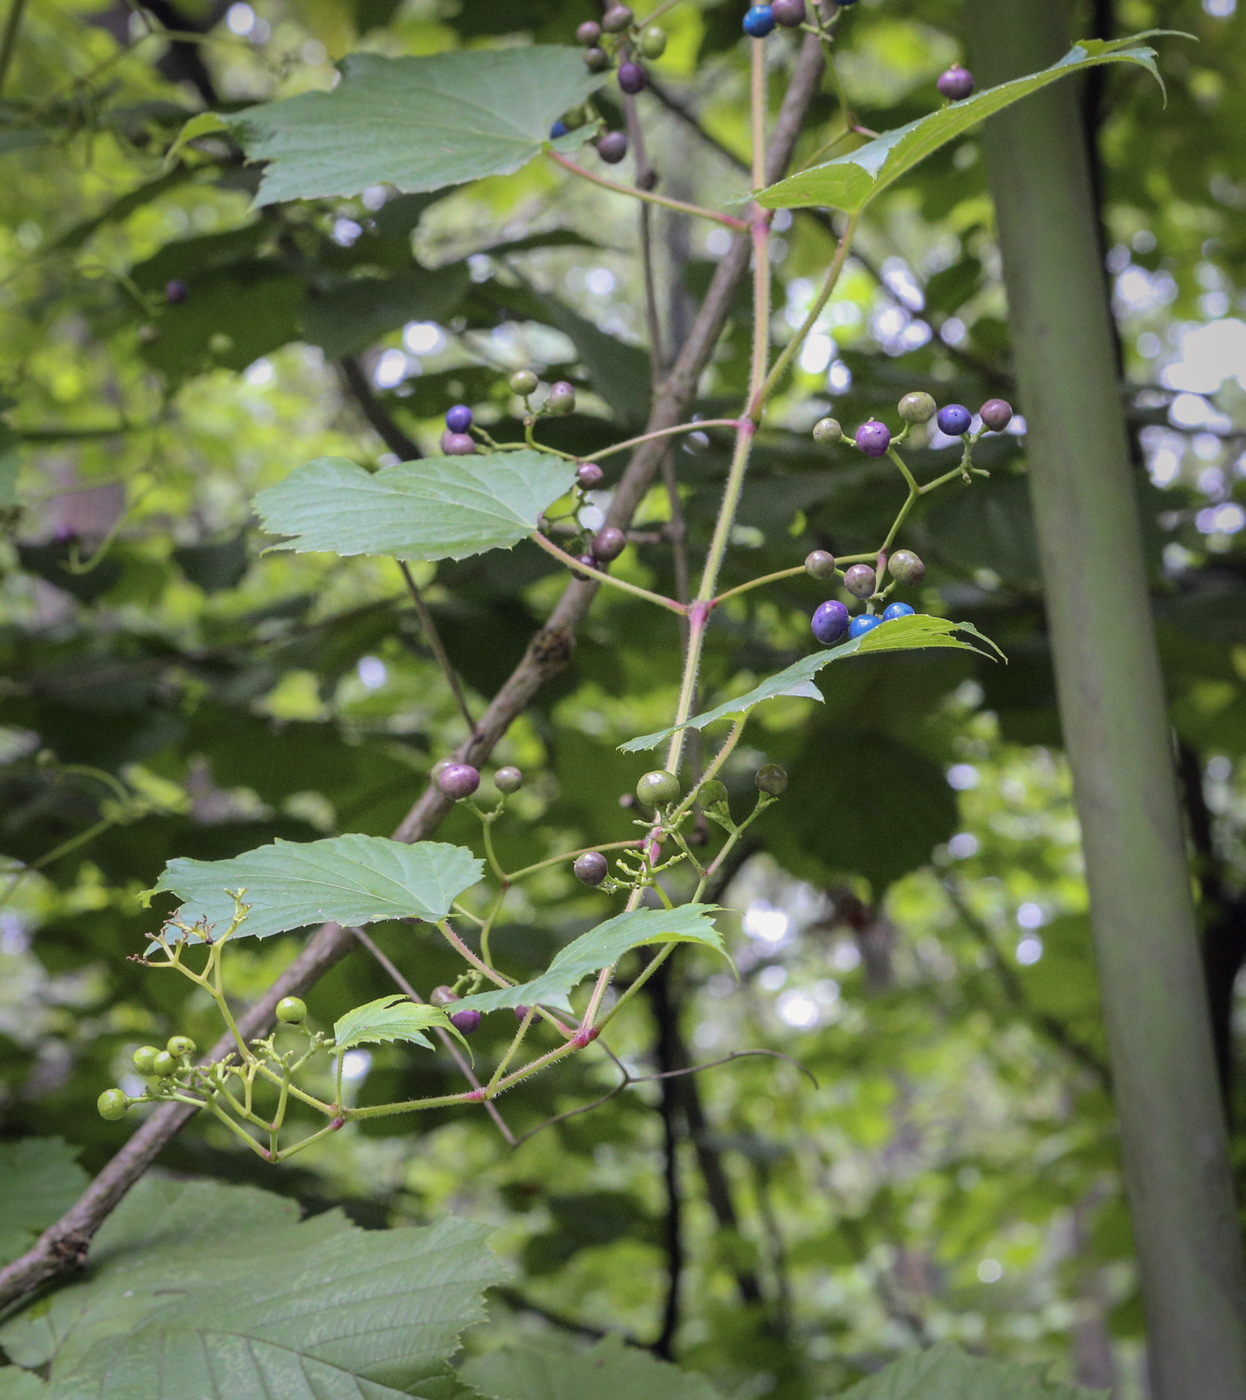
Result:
443,508
202,124
343,879
16,1384
389,1019
218,1293
416,123
602,947
851,181
915,633
946,1373
610,1370
10,465
350,318
42,1179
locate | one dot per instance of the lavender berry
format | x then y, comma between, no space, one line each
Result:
608,544
590,868
905,567
612,147
819,564
956,84
561,399
789,13
860,581
632,78
457,444
829,622
996,414
589,33
458,780
443,996
874,438
616,19
954,419
589,475
465,1022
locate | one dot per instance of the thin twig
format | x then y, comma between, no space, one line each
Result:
406,449
8,41
433,638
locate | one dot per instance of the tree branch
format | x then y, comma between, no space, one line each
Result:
356,381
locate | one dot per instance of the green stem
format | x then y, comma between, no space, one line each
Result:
464,951
573,563
647,195
571,855
661,433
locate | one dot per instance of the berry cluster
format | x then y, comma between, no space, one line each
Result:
457,440
616,39
875,439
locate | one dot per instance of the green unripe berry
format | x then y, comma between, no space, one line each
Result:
827,431
291,1011
653,42
181,1047
657,788
712,794
820,564
508,779
163,1065
917,408
523,382
145,1058
905,567
561,400
771,779
112,1105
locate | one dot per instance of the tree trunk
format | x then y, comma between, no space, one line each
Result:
1112,710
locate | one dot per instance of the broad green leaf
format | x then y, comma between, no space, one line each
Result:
917,633
202,124
42,1179
851,181
946,1373
16,1384
242,1302
602,947
415,123
443,508
389,1019
351,317
10,465
609,1370
343,879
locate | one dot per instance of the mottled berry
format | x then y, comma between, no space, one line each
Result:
820,564
589,475
657,788
523,382
176,292
874,438
609,543
612,147
561,398
917,407
558,129
163,1065
906,567
616,19
789,13
828,432
956,84
771,779
465,1022
894,610
830,622
458,780
521,1013
996,414
443,996
632,78
759,21
589,33
508,779
145,1058
181,1047
459,418
598,60
292,1011
591,868
457,444
112,1105
653,42
954,419
713,793
863,624
859,580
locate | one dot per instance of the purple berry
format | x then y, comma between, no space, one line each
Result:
860,581
588,33
589,475
521,1013
616,19
906,567
458,780
588,560
597,60
954,419
863,624
465,1022
874,438
612,147
459,418
457,444
590,868
442,996
176,292
789,13
609,543
895,610
632,78
996,414
956,84
820,564
759,21
830,622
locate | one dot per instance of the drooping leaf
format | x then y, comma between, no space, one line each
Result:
41,1179
602,947
389,1019
205,1290
415,123
610,1370
443,508
946,1373
344,879
851,181
915,633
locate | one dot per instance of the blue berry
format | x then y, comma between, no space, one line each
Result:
829,622
954,419
895,610
176,292
874,438
863,624
459,418
557,130
759,22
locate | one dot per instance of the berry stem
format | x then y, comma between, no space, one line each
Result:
457,943
661,433
648,195
433,637
572,563
635,844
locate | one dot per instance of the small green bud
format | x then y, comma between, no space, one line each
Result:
653,42
917,407
523,382
771,779
828,432
181,1047
291,1011
164,1064
820,564
112,1105
145,1058
657,788
712,793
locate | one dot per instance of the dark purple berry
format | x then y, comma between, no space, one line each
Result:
830,622
458,780
590,868
863,624
860,581
771,779
905,567
789,13
996,414
590,561
917,407
759,21
558,129
956,84
521,1013
589,475
616,19
443,996
598,60
820,564
588,33
465,1022
176,292
459,418
612,147
874,438
954,419
632,78
457,444
508,779
609,543
561,398
894,610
